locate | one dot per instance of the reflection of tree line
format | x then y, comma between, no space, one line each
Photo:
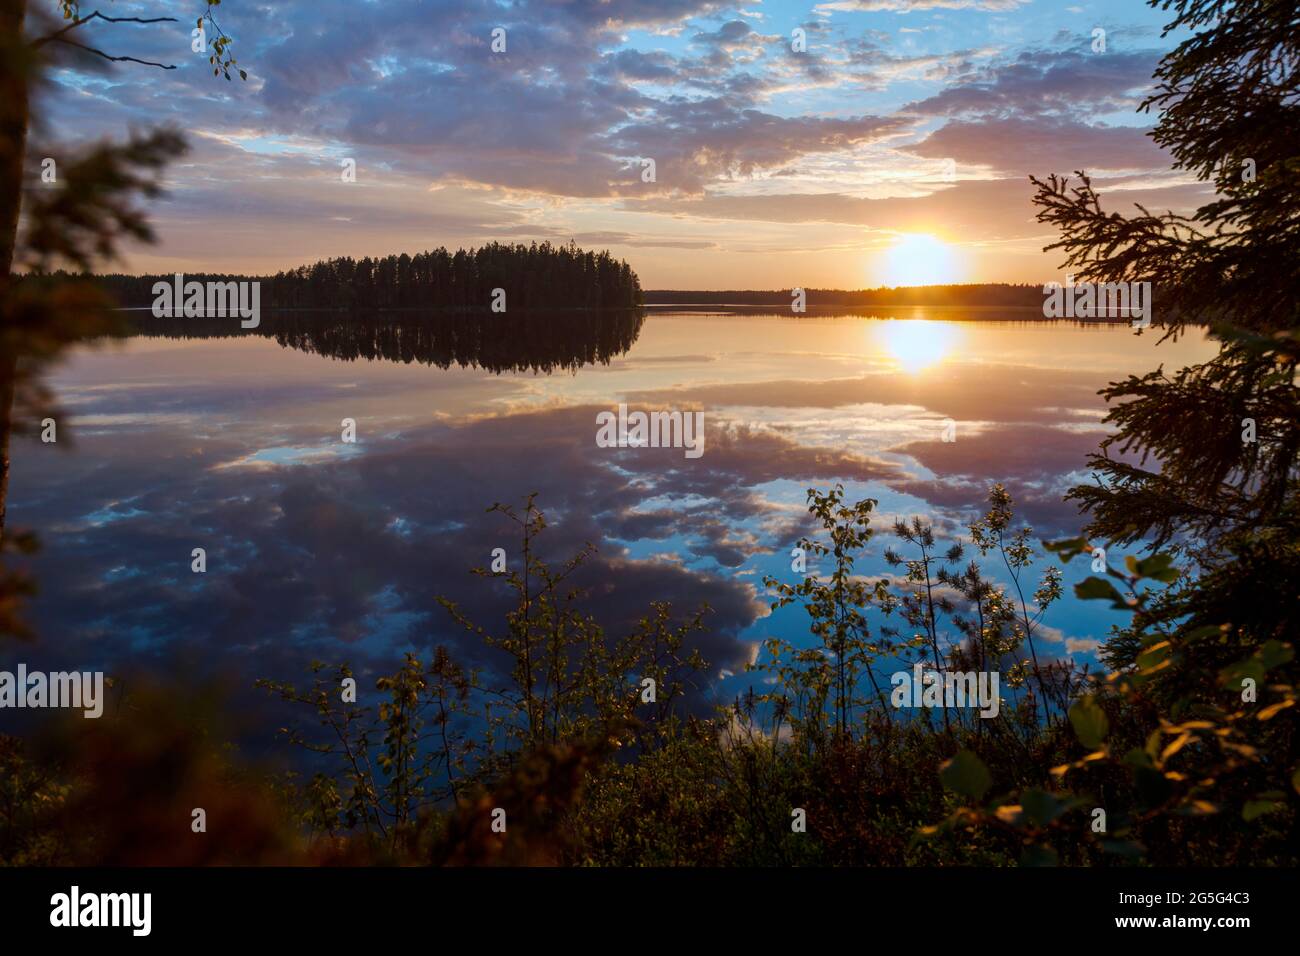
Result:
533,341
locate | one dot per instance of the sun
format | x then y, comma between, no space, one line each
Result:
918,258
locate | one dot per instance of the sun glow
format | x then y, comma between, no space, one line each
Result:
917,343
919,259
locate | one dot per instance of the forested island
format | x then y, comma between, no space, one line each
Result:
536,276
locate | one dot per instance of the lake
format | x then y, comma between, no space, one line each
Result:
317,548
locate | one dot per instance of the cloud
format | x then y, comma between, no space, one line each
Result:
695,142
1038,82
1041,145
987,209
734,35
875,62
908,6
630,64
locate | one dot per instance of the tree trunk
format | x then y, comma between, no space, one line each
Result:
7,374
13,142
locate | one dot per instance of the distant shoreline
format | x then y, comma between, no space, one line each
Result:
946,312
986,294
835,305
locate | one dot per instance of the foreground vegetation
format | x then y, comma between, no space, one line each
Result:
582,751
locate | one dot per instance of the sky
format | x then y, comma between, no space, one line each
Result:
895,149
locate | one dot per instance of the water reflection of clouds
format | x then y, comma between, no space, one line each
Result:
321,550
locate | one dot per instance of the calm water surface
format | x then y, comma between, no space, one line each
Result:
318,549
